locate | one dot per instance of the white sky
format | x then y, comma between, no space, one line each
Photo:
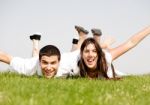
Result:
55,20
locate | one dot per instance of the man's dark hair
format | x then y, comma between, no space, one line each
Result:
49,50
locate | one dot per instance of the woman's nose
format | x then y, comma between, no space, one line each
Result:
90,53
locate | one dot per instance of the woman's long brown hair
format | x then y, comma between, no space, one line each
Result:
101,63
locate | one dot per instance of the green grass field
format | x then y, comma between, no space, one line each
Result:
21,90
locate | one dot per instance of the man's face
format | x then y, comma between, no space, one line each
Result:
49,65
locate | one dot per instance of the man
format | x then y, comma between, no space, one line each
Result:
45,63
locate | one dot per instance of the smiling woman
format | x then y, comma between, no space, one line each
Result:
95,63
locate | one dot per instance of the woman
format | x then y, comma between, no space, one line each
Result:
94,62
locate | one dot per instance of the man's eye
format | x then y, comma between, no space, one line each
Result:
44,62
53,62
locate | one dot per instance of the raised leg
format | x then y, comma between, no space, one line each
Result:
35,39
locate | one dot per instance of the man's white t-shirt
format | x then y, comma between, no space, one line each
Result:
27,67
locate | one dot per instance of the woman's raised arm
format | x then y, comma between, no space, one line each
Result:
130,43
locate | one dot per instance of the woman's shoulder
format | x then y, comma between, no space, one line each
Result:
108,56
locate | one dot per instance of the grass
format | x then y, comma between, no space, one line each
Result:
21,90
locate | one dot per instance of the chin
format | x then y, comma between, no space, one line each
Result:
49,77
91,67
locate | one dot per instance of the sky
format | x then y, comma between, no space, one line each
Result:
55,21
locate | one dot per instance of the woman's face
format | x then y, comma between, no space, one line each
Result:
90,56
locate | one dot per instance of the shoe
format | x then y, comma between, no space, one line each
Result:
35,36
74,41
81,29
96,31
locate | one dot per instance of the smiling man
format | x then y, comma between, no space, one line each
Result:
49,58
45,63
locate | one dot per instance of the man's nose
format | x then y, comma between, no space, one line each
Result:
49,66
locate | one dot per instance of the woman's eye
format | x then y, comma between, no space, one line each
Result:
94,51
86,51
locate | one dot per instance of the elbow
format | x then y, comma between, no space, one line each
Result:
131,43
